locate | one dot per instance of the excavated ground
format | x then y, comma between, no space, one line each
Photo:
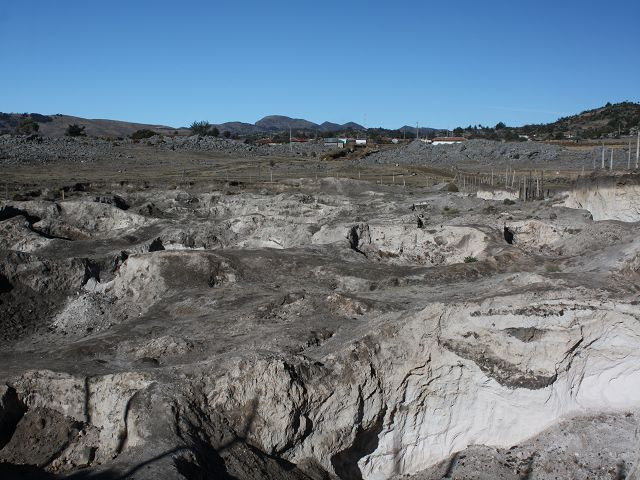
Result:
316,330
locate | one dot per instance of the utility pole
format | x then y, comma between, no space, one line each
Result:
603,156
290,142
611,161
417,132
638,148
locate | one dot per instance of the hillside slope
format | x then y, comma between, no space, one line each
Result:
56,125
611,119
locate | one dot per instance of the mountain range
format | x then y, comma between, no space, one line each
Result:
56,125
610,119
281,123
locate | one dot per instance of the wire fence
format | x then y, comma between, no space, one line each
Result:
277,175
525,185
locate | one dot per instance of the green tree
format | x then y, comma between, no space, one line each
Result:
75,130
27,126
144,133
500,126
214,132
226,134
200,128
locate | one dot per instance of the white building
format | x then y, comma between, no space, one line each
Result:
448,140
335,142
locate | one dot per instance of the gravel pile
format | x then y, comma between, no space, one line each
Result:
225,145
33,149
483,152
16,150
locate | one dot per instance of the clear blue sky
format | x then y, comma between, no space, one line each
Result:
443,64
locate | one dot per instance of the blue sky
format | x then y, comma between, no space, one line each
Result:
442,64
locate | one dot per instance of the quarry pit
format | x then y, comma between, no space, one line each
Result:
329,328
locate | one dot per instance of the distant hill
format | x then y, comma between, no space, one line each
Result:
610,120
352,126
605,121
238,128
280,123
329,127
424,131
56,125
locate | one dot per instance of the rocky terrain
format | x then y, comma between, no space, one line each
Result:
483,153
318,329
472,154
17,150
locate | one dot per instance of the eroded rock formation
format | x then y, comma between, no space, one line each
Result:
304,335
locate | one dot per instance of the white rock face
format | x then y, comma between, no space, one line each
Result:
450,376
459,385
102,402
497,194
143,279
608,199
408,244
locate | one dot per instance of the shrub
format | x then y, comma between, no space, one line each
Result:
27,126
452,187
40,118
226,134
144,133
508,201
470,259
75,130
200,128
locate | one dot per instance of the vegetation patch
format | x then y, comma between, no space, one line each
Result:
204,129
75,130
143,133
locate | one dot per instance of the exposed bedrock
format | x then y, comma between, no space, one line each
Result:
302,335
608,198
395,401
